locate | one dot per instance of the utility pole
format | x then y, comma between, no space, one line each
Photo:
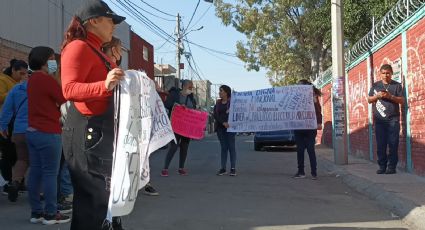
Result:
338,91
179,46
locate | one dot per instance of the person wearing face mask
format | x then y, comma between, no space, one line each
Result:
182,97
88,79
44,136
113,50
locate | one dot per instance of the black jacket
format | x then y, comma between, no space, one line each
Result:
221,114
174,98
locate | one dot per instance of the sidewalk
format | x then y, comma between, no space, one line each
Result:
402,193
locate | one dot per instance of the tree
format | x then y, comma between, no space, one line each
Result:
292,38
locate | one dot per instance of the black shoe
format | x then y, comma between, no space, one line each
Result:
389,171
150,191
13,191
37,217
221,172
22,188
64,207
116,223
314,176
299,175
55,219
380,171
232,172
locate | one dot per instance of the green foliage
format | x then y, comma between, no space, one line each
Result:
292,38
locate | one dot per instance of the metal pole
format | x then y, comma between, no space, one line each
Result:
338,76
178,47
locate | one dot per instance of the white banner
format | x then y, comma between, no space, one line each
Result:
143,127
279,108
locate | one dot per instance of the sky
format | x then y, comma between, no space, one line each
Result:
217,68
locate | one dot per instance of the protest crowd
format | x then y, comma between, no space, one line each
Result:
57,125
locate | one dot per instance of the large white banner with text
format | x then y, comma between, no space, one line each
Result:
143,127
279,108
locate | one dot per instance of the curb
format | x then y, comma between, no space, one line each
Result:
412,214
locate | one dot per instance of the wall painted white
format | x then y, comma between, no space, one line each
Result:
43,22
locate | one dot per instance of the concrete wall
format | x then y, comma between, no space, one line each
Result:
31,23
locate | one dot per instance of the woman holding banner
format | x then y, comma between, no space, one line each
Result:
183,97
113,50
227,139
88,80
306,139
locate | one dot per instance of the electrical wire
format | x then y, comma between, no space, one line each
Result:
135,14
193,14
202,16
145,19
212,50
157,9
170,20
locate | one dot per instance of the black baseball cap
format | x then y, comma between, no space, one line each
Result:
96,8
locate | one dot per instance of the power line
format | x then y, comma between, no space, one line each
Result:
212,50
202,16
170,20
145,19
135,14
157,9
193,14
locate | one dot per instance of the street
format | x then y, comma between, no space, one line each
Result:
262,197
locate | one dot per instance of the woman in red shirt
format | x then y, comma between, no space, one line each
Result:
44,136
88,78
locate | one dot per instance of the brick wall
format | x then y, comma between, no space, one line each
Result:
10,50
358,78
324,136
358,110
416,95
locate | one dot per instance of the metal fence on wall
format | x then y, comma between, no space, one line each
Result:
402,11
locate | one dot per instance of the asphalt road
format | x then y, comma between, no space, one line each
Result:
262,197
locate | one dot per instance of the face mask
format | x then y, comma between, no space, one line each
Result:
188,91
52,66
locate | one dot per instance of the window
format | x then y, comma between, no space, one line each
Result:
145,53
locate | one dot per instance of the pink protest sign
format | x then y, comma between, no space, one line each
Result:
188,122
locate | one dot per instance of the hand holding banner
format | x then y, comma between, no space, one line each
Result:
188,122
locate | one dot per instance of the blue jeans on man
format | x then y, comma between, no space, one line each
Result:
227,143
45,154
387,135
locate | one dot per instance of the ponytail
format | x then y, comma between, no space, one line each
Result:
15,65
75,31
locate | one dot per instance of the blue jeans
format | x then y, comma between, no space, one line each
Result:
65,184
227,143
44,153
306,139
387,134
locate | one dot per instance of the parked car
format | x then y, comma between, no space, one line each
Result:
274,138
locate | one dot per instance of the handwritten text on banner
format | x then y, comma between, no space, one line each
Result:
143,128
279,108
